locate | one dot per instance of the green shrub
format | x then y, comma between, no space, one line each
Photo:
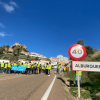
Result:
71,75
96,98
85,95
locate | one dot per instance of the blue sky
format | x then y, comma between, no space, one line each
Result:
50,27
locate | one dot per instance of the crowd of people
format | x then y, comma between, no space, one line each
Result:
62,69
31,68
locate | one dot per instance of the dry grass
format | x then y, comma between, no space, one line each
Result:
92,56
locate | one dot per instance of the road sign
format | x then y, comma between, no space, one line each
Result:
86,66
62,62
77,52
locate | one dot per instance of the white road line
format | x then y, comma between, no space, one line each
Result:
3,75
10,78
46,95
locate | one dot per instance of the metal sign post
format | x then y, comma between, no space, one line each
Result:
78,84
77,52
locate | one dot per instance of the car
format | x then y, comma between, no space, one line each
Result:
54,67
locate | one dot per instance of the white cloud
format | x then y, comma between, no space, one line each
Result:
9,8
2,34
1,25
13,4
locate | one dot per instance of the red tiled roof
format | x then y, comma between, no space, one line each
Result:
15,61
55,58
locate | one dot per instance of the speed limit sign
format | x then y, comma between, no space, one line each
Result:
77,52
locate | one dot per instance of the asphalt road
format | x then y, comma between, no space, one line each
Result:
29,87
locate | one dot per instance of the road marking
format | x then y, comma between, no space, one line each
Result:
10,78
3,75
46,95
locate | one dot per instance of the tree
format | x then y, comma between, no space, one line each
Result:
2,49
25,50
89,50
36,58
66,64
28,57
17,50
47,59
81,42
7,48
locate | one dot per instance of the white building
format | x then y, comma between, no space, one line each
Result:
42,62
5,61
61,58
54,59
53,63
32,54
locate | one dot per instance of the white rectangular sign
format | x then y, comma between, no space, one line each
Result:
86,66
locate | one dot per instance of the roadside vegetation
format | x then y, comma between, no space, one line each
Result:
90,81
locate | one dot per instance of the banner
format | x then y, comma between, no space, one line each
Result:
14,68
18,68
21,68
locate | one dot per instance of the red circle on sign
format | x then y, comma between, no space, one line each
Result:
75,58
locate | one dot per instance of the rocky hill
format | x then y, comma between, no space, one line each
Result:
10,50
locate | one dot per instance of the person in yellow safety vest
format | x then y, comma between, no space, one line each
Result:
45,65
5,68
29,68
80,74
38,65
14,63
9,68
33,68
2,66
60,69
57,68
64,69
49,68
22,64
26,64
42,68
46,68
19,63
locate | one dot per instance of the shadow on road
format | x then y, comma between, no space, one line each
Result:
67,82
62,81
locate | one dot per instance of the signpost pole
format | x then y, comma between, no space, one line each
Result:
77,52
78,84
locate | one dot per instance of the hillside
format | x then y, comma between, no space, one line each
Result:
19,51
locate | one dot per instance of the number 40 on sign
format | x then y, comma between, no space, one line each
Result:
77,52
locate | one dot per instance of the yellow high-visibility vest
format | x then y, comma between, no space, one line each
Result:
9,65
2,64
6,65
57,66
64,68
42,67
80,73
49,67
29,65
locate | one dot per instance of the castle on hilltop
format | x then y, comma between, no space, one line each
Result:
10,51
